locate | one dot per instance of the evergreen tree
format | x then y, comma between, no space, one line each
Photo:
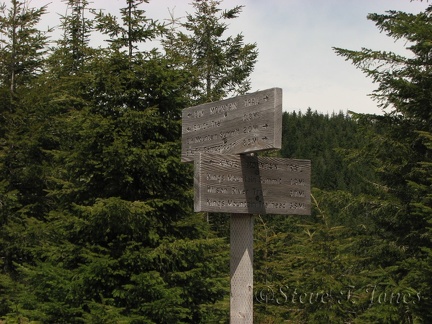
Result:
22,48
22,141
113,237
135,27
400,152
219,67
318,268
74,44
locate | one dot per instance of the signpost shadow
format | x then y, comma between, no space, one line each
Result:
252,183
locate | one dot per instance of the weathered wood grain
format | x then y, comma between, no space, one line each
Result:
243,124
250,184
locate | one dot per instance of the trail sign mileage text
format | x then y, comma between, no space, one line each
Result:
251,184
243,124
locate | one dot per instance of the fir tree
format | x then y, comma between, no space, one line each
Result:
134,28
113,237
219,67
22,48
400,151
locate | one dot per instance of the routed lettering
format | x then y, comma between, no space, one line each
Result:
250,184
243,124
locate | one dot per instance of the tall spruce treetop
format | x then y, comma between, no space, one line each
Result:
135,27
219,66
76,36
22,45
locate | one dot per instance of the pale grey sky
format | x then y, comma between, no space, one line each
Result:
295,40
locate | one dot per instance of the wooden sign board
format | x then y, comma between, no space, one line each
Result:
252,185
243,124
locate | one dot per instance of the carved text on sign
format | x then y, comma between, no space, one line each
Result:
250,184
248,123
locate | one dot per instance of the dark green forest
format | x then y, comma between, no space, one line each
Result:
96,209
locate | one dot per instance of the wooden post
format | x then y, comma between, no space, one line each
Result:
241,268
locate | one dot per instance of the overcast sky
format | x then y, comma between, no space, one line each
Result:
295,40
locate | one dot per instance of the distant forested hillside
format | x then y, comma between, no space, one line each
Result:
326,140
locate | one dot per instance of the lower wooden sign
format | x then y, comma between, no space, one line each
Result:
252,185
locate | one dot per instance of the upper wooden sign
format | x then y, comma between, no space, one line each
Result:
243,124
252,185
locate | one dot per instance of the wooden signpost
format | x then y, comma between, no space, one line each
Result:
220,137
